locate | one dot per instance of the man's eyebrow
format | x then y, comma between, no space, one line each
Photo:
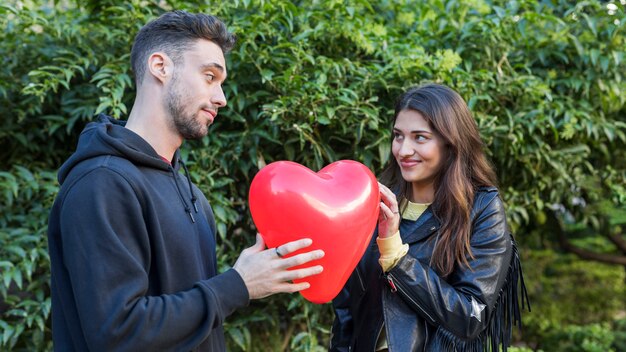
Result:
213,65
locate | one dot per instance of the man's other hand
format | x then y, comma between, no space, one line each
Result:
266,271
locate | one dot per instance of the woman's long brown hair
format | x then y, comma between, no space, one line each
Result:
464,168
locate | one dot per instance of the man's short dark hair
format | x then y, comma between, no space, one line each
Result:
173,33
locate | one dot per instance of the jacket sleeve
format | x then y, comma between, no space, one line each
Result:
341,333
106,253
462,306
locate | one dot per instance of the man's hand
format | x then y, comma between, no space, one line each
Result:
265,272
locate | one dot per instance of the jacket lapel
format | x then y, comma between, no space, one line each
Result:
429,227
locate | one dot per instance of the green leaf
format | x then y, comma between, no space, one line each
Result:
266,75
500,12
238,337
17,277
7,334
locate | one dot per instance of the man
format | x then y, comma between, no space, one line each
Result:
131,240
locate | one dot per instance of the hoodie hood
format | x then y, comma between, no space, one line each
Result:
108,136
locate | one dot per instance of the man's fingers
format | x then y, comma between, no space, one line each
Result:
291,288
260,243
258,246
293,246
302,258
290,275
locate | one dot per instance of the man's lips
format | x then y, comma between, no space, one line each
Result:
211,113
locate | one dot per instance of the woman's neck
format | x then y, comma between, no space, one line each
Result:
422,193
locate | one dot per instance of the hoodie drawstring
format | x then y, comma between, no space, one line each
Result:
193,195
180,193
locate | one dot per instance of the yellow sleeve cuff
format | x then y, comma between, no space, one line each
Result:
391,251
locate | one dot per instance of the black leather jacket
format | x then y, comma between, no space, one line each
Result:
471,310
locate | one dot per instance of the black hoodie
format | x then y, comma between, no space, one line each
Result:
132,247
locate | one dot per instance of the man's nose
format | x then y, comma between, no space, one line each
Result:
219,99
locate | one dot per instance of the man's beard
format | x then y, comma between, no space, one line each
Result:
187,125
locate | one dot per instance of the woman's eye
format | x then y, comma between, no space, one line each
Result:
210,77
397,136
420,138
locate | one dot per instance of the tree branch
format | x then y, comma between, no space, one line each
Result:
618,241
587,254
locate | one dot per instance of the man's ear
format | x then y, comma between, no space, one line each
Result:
160,66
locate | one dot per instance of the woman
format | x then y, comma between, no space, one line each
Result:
443,272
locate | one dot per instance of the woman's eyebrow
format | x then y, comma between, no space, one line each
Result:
413,131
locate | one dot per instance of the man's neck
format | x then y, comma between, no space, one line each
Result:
149,121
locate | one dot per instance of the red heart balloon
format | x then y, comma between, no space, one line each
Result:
337,208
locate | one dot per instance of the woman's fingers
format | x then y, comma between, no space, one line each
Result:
384,209
388,197
389,216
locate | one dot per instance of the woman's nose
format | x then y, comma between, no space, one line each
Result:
406,149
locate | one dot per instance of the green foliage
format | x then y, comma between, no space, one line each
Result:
519,349
619,334
590,338
566,291
24,263
314,82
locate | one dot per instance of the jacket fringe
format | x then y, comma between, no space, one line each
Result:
506,313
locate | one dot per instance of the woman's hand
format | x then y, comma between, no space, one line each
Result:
389,215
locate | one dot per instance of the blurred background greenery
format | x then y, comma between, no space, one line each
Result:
314,82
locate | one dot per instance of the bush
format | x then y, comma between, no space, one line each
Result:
24,279
566,291
314,82
589,338
520,349
619,334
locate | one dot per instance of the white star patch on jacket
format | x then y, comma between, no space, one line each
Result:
477,309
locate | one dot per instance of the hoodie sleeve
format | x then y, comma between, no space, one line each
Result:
107,254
